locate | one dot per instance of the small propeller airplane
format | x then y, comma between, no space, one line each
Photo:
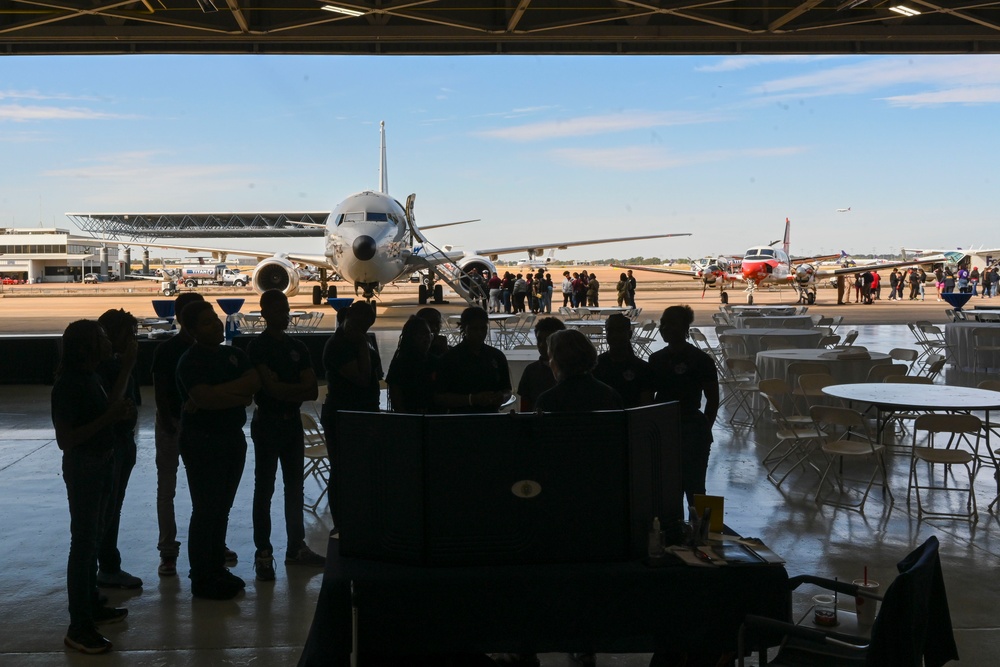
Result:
711,271
772,265
372,240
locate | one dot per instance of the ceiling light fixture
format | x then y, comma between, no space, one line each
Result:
342,10
904,10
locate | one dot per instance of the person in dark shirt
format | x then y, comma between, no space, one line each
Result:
620,368
439,343
572,358
473,377
353,371
217,383
287,379
410,371
168,423
537,376
683,373
84,416
121,328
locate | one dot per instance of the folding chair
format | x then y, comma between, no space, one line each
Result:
853,443
642,341
317,459
797,435
882,371
743,386
811,387
959,450
985,341
906,355
775,343
914,608
830,341
699,340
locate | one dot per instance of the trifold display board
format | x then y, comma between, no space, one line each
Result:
505,488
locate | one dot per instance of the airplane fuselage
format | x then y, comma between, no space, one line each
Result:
367,239
765,264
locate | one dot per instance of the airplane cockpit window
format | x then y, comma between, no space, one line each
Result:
374,216
339,219
359,216
761,253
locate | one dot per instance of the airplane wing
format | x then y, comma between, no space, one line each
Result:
657,269
816,259
316,260
915,261
540,248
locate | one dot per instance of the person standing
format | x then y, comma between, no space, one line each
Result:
620,368
84,416
167,427
631,289
681,372
593,292
567,289
217,383
547,293
622,290
472,377
537,376
411,370
120,327
353,370
893,283
287,379
974,280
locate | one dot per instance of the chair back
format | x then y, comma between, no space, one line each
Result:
313,433
882,371
849,339
913,626
992,385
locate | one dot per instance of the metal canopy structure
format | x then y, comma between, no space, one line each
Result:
457,27
149,227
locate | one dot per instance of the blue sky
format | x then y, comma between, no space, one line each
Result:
541,149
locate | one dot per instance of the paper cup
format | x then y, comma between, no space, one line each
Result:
825,610
866,607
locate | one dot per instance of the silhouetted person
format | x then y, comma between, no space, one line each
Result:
473,377
410,376
287,379
683,373
168,423
537,376
121,328
84,416
216,383
572,358
353,370
439,343
620,368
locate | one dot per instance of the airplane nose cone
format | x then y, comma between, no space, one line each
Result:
364,248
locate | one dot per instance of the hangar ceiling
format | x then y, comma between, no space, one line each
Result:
454,27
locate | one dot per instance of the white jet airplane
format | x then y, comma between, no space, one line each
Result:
844,210
371,240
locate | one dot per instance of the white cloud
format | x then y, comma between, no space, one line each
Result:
937,73
37,96
600,124
648,158
736,63
20,113
968,95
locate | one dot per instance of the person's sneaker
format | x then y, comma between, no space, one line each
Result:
232,558
220,588
304,556
234,580
88,641
264,566
119,579
168,566
105,615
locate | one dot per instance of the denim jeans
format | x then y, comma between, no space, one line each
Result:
274,441
89,479
214,463
108,556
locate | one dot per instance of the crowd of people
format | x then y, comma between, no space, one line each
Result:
203,388
911,284
533,291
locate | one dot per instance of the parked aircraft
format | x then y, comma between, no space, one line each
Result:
711,271
771,265
371,240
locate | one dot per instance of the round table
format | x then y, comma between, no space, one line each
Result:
960,339
774,363
766,321
770,310
753,339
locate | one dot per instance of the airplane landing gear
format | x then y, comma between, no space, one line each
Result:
724,297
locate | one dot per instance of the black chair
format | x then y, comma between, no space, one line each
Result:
913,627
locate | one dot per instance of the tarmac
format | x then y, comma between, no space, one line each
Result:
268,623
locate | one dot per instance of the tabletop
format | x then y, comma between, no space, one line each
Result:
766,309
817,354
916,396
790,333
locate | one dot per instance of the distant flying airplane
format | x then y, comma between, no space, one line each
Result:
371,240
843,210
767,264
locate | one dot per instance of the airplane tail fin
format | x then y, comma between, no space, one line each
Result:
383,172
785,244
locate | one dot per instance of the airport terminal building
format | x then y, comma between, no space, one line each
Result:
46,255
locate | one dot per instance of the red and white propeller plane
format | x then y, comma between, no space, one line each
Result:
772,265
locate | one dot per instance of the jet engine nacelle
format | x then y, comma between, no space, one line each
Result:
276,273
476,263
